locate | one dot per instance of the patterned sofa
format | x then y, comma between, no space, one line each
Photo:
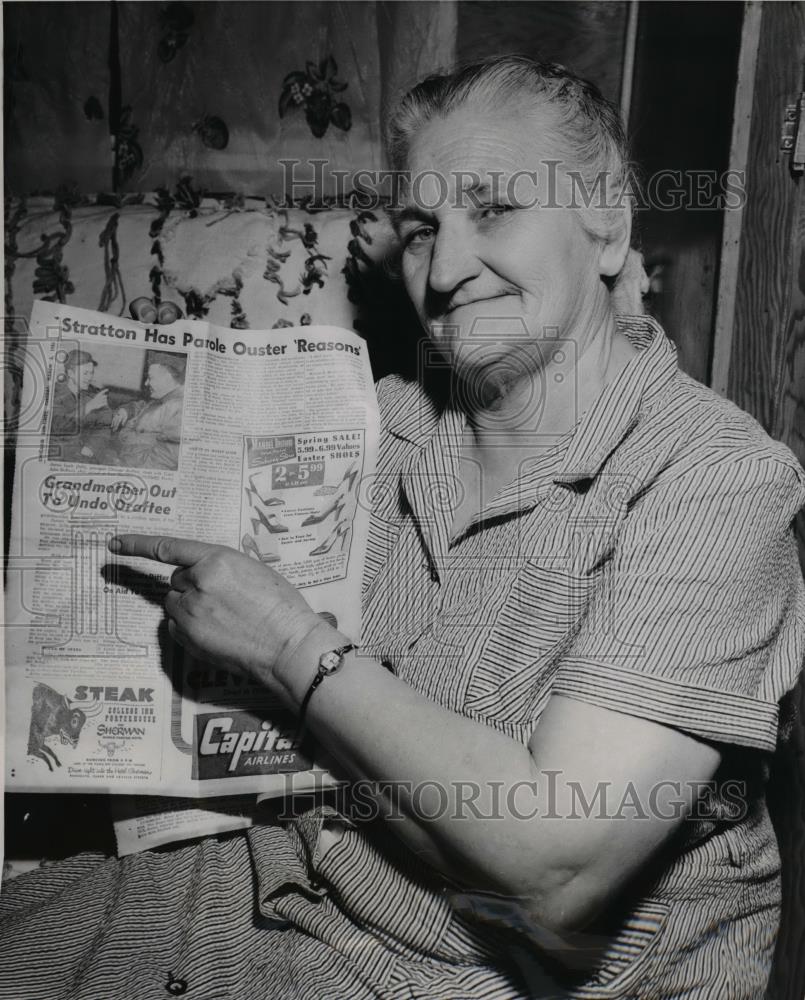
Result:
237,262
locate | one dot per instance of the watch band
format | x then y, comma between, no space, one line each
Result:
329,663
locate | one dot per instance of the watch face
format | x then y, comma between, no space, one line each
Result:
331,661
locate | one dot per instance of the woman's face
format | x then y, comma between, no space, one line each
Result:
489,271
160,381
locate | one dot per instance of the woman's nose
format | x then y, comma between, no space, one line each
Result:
452,261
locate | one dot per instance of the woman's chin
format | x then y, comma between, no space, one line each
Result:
489,372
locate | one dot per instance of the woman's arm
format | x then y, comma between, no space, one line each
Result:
561,824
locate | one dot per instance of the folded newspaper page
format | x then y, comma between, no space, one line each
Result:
143,823
260,440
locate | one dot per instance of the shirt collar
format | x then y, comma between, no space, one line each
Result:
175,393
412,411
415,415
429,477
617,409
430,481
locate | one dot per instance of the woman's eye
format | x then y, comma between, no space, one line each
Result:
420,235
495,211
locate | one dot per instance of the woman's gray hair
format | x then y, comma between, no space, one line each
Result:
583,129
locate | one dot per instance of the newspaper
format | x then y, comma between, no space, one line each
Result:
260,440
142,823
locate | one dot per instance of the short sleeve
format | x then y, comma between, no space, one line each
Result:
697,618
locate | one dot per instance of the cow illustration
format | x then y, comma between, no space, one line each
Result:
53,715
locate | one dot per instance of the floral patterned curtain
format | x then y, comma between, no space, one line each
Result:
56,86
133,96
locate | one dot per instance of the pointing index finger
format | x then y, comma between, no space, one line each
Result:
163,548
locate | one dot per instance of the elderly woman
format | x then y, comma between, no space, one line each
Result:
582,605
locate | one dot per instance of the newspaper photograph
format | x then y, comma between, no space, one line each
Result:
258,440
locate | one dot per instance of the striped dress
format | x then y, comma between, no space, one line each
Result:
642,562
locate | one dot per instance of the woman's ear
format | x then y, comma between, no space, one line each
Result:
615,246
631,286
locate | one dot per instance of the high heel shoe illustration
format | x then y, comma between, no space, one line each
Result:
271,523
270,502
348,478
250,547
338,506
265,499
339,531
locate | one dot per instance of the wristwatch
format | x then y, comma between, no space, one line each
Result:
329,663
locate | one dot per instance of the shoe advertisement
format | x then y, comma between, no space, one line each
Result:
300,497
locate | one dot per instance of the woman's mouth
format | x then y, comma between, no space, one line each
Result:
461,304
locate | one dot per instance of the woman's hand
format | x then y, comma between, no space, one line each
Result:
226,607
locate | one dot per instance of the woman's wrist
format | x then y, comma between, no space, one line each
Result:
298,664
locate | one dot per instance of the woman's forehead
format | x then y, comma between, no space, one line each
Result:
469,150
481,134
